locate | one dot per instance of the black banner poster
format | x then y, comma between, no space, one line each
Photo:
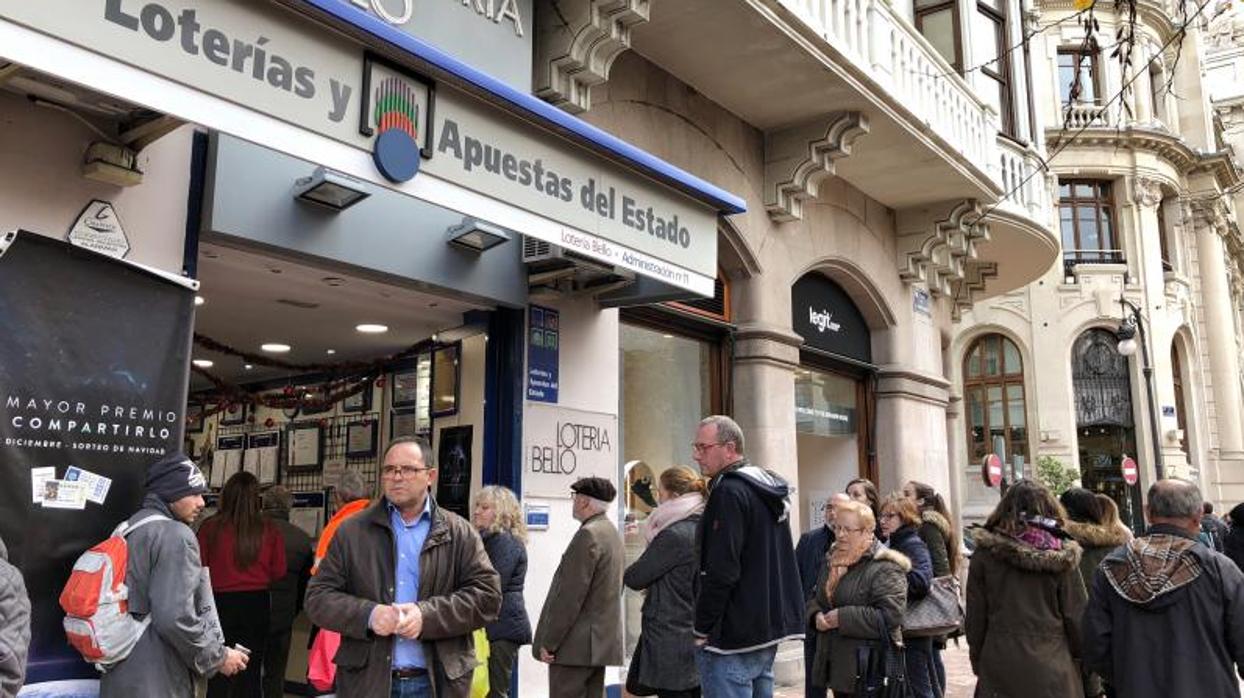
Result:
94,368
453,464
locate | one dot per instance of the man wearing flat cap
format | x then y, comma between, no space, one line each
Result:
580,630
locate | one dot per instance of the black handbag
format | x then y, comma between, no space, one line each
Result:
881,668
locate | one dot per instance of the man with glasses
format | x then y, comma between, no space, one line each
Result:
405,582
580,629
750,600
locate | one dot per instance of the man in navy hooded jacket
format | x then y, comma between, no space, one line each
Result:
750,599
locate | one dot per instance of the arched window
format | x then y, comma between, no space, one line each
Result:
993,388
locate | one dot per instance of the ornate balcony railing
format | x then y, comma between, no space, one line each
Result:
1023,180
1082,115
886,47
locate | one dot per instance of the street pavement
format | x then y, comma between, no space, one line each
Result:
960,682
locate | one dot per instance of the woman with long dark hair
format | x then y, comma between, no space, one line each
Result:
245,554
1025,599
942,540
862,490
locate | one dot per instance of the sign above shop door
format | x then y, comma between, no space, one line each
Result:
828,320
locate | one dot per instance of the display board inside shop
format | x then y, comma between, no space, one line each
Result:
303,433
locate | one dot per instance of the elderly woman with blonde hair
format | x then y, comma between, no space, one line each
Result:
860,598
499,519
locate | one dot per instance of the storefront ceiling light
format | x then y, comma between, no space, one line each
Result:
331,189
330,352
477,236
275,348
371,328
199,300
248,367
203,363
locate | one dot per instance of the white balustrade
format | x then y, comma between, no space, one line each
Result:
1079,116
1024,181
885,46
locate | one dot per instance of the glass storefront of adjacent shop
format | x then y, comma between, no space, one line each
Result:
674,369
833,393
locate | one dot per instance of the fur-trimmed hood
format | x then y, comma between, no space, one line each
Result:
935,519
881,553
1026,557
1095,536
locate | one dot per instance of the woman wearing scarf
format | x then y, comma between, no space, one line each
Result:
862,589
1025,599
664,659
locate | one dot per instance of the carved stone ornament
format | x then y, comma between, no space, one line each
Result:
799,158
1146,191
577,42
1226,26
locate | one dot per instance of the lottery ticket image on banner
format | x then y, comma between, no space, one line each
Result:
96,485
39,476
64,494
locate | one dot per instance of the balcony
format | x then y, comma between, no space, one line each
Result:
1083,115
1096,258
782,64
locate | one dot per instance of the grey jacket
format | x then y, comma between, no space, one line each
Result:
581,622
164,577
668,573
14,626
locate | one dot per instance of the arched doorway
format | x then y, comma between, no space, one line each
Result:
833,392
1105,428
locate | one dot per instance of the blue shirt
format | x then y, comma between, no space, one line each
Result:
410,538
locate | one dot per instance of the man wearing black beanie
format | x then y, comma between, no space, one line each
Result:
167,583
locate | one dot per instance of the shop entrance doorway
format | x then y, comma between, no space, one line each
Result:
303,372
1104,424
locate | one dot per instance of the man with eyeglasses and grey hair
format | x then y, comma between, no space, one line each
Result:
750,598
405,582
1166,614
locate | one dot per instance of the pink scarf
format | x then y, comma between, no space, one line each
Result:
672,511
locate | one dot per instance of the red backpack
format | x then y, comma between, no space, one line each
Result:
96,600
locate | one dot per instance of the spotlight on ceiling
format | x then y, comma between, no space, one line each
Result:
202,363
477,236
199,300
371,328
275,348
331,189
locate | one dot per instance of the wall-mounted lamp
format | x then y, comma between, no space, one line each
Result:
330,189
477,236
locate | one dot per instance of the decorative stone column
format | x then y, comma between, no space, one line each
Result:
1147,196
911,428
765,359
1224,369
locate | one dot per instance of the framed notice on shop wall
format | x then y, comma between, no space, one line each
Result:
543,352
